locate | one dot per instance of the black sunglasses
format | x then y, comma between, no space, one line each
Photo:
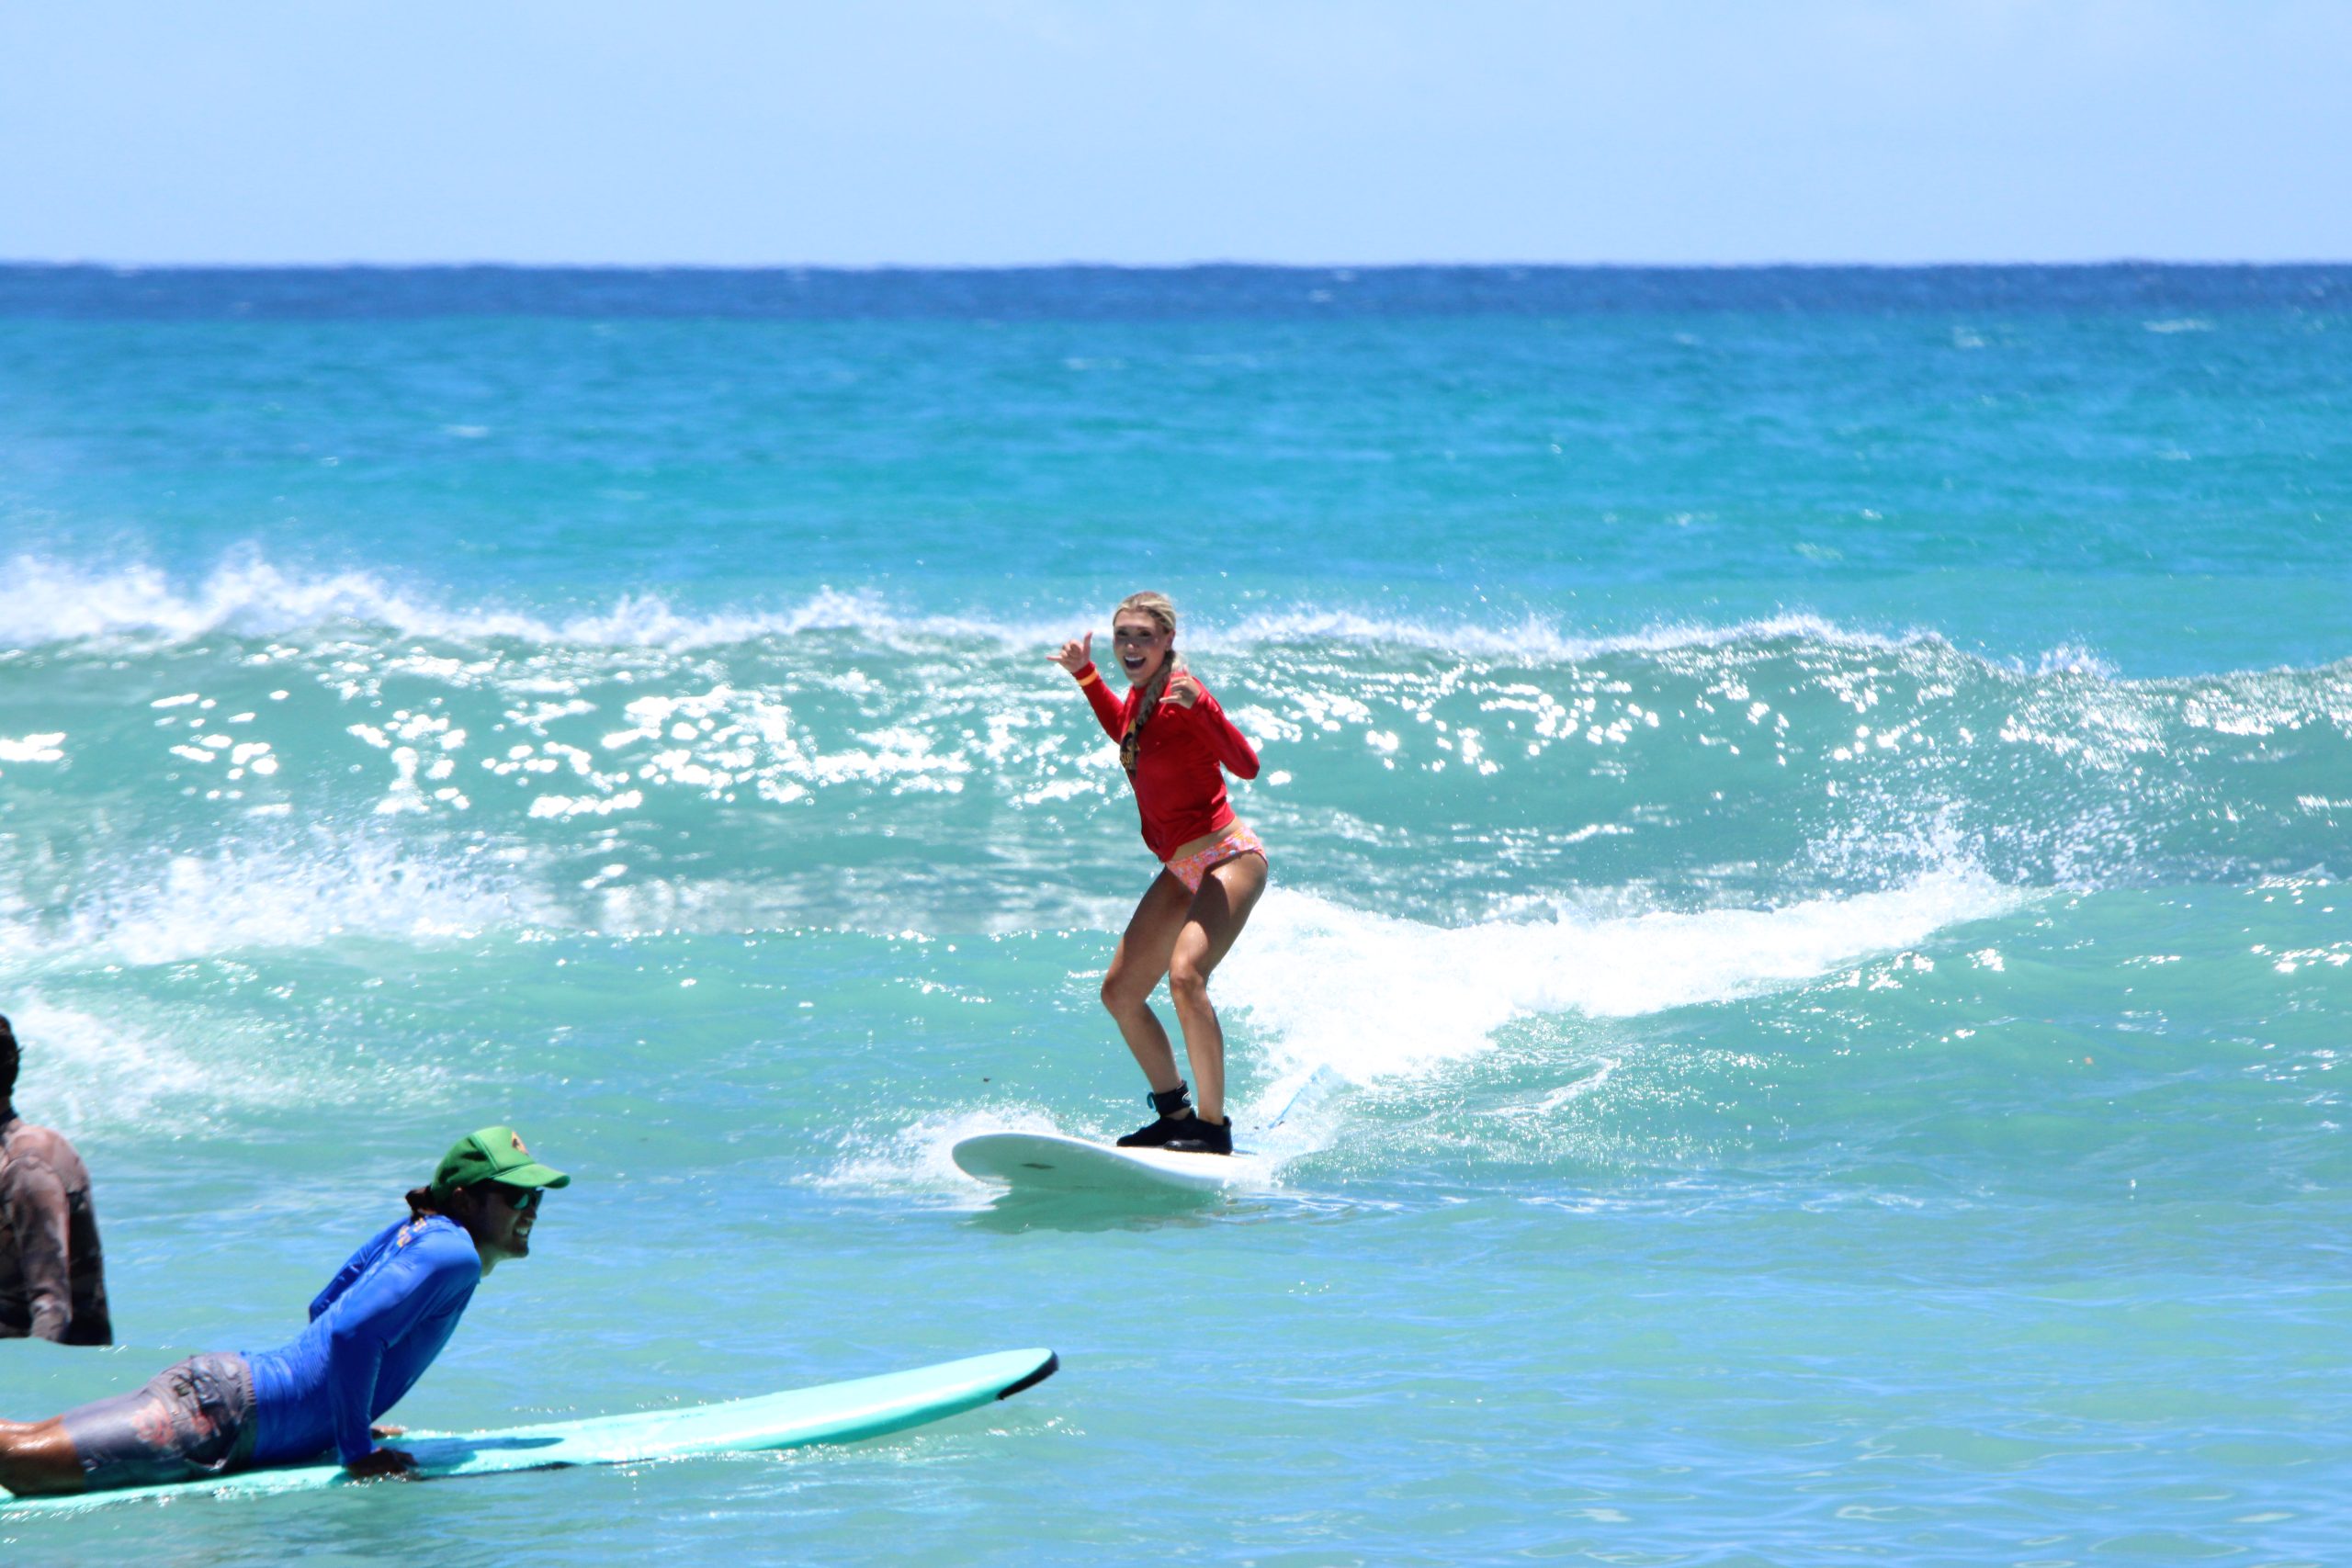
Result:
522,1199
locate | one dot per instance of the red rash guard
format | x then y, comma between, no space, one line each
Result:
1179,789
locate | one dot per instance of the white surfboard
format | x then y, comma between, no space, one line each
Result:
1048,1162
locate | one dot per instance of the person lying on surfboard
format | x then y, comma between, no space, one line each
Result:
1176,745
374,1329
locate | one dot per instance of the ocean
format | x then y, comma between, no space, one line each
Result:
1808,821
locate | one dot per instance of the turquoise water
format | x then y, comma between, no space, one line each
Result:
1808,824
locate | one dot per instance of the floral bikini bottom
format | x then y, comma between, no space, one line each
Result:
1189,869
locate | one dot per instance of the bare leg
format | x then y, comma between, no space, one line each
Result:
1219,912
1135,974
37,1458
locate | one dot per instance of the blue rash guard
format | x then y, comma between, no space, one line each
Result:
373,1331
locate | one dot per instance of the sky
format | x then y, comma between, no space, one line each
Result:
1141,132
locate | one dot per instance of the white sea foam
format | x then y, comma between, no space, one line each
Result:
87,1073
1377,997
1537,638
45,602
278,895
2068,659
49,602
919,1159
1333,992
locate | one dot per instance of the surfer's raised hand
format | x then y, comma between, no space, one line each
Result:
1075,655
1182,689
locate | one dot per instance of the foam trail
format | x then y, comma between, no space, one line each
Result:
1320,1084
1376,997
919,1159
1344,995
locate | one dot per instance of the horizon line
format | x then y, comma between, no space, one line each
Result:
132,268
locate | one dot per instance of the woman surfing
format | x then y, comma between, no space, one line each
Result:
1176,745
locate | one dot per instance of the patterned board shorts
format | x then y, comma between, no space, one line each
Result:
191,1421
1189,869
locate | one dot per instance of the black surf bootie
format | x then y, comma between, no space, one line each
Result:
1198,1136
1175,1108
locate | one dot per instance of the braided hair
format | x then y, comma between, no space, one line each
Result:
1163,612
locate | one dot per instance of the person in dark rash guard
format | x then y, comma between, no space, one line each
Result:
375,1328
53,1275
1177,746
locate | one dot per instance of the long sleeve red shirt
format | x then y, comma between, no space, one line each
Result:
1180,767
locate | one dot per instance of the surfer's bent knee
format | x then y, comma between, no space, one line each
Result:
1188,984
1121,994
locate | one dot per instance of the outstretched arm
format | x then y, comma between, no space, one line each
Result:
1078,657
378,1312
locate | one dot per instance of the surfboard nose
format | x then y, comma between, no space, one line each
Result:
1053,1364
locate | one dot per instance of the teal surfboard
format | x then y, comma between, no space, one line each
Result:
834,1413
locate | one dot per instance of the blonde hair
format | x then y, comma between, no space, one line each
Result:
1159,606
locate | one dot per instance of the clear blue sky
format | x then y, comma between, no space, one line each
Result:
926,133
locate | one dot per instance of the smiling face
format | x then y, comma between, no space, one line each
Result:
498,1218
1141,644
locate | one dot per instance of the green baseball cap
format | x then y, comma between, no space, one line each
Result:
494,1154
